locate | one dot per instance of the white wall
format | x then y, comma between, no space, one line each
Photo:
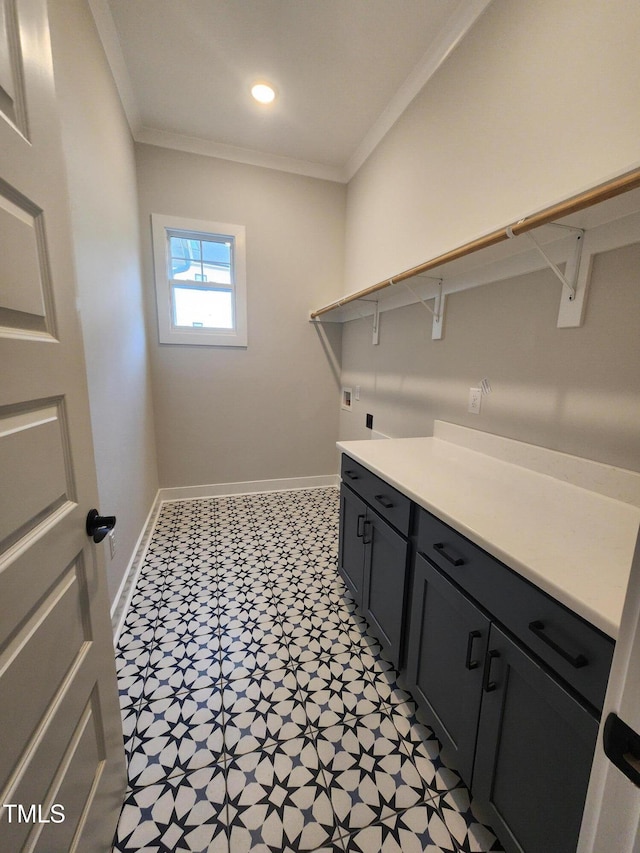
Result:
539,101
102,185
269,411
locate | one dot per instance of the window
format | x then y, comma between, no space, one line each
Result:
200,275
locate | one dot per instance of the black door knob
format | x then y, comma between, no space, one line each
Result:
99,526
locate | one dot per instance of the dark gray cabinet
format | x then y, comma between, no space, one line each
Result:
445,661
353,512
573,649
373,555
511,682
534,752
385,584
518,737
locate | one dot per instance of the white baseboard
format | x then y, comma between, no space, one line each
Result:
181,493
127,584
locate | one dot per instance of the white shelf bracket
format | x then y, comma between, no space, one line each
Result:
376,324
437,311
575,279
569,277
571,312
376,320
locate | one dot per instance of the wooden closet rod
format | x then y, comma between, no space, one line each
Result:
618,186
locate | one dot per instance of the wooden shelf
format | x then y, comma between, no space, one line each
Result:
609,214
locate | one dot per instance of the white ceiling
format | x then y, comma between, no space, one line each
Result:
344,71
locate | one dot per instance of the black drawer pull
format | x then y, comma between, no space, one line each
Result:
351,475
577,661
455,561
472,664
386,503
489,686
360,527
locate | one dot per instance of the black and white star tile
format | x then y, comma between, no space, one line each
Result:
183,814
175,735
259,714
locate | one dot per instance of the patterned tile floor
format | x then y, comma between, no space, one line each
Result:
258,712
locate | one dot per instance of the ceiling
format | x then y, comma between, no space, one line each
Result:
344,70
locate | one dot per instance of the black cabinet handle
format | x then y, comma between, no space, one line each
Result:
472,664
489,686
455,561
351,475
360,527
386,503
366,526
576,661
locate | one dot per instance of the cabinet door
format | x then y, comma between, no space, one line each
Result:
385,580
534,753
353,512
445,656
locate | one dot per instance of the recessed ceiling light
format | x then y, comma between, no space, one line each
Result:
264,93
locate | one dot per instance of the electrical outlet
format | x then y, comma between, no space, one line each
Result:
112,544
475,399
369,421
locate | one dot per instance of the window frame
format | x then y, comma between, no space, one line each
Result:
163,227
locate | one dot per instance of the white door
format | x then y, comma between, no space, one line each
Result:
62,773
611,822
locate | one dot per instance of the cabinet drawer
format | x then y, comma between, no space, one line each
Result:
388,502
574,649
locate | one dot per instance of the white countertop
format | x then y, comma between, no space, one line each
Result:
575,543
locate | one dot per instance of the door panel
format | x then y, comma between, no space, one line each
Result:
83,764
33,460
45,647
22,288
59,714
73,741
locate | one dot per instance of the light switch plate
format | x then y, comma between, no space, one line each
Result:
475,400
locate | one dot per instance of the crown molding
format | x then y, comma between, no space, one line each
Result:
108,35
208,148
